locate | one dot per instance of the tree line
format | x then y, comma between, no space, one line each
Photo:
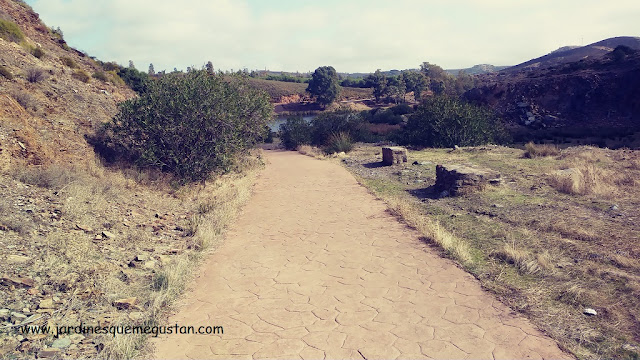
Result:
325,84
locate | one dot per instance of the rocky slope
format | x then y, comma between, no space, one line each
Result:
45,117
601,93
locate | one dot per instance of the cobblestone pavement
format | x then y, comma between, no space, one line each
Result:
315,268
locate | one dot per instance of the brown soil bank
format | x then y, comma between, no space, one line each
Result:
316,268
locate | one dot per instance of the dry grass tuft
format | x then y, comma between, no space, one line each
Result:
522,260
310,151
431,229
532,150
585,179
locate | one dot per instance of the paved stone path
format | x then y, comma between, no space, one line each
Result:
316,269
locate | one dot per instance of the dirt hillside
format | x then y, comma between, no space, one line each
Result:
45,117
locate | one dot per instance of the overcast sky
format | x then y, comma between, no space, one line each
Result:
351,35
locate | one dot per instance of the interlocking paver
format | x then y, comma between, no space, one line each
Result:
315,268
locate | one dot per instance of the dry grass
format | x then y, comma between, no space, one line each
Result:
586,179
523,260
91,274
310,151
431,230
532,150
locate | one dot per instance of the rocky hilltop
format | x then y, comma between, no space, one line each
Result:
596,93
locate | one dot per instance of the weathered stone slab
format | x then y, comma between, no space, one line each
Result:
462,179
394,155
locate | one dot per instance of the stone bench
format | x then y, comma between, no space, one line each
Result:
394,155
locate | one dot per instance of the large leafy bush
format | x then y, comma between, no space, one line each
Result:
444,122
188,125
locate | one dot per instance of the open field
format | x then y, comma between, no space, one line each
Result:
279,89
549,242
98,246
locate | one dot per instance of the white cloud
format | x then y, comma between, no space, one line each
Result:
352,36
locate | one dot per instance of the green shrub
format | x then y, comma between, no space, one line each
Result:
100,75
115,79
6,73
138,81
188,125
69,62
343,120
35,74
339,142
384,116
10,31
37,52
295,132
81,75
401,109
444,122
111,66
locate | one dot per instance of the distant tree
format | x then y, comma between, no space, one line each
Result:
152,71
379,83
433,71
209,67
324,85
131,66
415,82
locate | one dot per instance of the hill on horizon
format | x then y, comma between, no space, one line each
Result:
569,54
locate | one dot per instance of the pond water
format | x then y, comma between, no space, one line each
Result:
275,125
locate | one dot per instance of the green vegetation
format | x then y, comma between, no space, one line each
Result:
334,131
10,31
100,75
138,81
6,73
189,125
324,85
339,142
295,132
67,61
36,51
81,75
444,122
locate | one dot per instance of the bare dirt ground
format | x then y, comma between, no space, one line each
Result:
317,268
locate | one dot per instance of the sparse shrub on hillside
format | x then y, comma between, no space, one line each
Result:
188,125
339,142
295,132
100,75
37,52
115,79
25,100
10,31
6,73
111,66
69,62
532,150
444,122
35,74
81,75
